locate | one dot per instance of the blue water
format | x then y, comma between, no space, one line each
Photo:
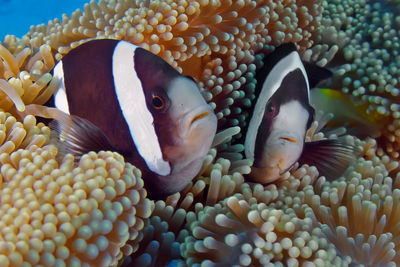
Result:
16,16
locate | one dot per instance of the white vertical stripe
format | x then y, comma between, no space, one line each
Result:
271,84
60,97
132,102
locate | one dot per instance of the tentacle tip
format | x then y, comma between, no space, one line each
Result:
21,108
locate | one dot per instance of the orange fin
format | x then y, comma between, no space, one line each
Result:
331,157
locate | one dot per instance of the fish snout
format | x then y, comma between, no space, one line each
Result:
284,149
202,117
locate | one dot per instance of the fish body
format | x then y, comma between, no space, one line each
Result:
124,98
275,138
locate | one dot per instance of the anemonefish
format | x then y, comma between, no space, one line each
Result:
275,138
123,98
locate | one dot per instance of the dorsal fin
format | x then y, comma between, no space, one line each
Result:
272,59
315,73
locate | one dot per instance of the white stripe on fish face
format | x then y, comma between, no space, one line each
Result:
132,101
271,84
60,97
292,117
195,121
285,143
186,105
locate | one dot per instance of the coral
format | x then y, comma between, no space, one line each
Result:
61,214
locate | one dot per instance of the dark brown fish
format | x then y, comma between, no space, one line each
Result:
275,138
124,98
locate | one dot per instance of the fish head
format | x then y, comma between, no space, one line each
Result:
282,144
192,128
185,126
280,139
174,127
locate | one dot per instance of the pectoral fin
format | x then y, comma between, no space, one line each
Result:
331,157
78,136
72,134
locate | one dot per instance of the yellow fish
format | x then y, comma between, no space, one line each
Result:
355,116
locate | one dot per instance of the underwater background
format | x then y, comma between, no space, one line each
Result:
56,212
16,16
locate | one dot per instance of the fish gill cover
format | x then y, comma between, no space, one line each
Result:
54,212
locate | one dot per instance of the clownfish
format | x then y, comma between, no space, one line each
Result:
275,138
118,96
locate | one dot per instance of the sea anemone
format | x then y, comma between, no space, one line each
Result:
367,63
218,48
301,219
359,212
218,178
24,77
25,134
61,213
245,232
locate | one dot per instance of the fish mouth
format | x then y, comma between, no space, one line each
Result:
289,139
200,116
192,119
286,169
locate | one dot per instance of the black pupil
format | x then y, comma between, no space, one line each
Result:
157,102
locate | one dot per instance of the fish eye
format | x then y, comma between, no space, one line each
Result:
270,108
157,102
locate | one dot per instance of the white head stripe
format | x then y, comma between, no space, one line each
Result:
132,102
60,97
292,118
271,84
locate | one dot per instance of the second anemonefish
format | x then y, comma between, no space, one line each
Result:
275,138
126,99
